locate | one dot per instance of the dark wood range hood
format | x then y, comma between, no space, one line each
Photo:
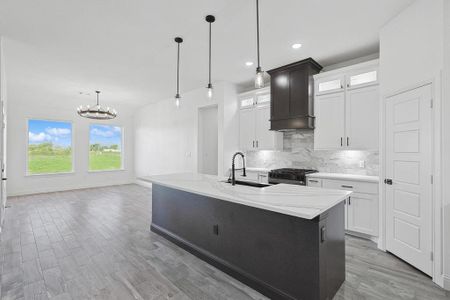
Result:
292,93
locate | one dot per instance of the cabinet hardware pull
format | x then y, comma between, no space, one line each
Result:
313,180
349,201
341,142
348,141
253,144
256,144
216,229
347,186
322,234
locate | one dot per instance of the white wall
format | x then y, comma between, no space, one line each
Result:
166,138
22,107
412,53
446,143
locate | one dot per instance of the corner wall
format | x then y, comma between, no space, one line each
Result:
166,138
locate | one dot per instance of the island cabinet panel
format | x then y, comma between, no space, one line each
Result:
282,256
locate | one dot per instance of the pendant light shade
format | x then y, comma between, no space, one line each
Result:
178,40
210,19
96,112
259,78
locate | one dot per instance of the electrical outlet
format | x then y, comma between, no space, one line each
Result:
362,164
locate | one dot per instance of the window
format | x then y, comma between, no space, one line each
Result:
363,78
105,148
247,102
330,85
49,147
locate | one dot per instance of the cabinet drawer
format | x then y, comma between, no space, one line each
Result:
355,186
314,182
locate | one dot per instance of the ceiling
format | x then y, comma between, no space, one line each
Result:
126,49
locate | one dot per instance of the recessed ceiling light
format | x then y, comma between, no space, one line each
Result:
296,46
249,63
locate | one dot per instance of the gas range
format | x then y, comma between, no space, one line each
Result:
289,175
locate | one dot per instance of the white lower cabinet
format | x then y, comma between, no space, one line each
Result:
361,209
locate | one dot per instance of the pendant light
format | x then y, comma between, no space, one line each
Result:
210,19
96,112
259,78
178,40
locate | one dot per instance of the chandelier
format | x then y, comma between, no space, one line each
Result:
96,112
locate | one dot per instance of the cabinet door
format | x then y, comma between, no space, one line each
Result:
265,139
247,129
362,214
329,84
362,118
330,121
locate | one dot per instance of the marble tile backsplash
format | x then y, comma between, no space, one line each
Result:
298,152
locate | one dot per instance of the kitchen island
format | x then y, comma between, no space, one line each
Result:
285,241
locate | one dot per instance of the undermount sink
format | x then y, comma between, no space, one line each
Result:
249,183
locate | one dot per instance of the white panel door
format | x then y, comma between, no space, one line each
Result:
265,139
329,130
362,213
362,118
408,164
247,129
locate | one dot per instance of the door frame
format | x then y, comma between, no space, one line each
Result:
437,201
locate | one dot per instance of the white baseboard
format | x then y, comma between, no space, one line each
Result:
446,284
144,183
62,189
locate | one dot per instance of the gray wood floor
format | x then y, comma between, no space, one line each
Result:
96,244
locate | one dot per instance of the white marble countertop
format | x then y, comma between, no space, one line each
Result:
342,176
299,201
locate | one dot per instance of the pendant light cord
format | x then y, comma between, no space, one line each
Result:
178,69
209,53
98,92
257,33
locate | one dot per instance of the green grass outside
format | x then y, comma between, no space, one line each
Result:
53,163
99,161
62,162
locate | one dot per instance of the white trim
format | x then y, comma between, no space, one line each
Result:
353,67
143,183
446,282
59,189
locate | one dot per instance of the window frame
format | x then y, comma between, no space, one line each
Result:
72,143
122,151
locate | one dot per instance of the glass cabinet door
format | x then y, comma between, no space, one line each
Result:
362,78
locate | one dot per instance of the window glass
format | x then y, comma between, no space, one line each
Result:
246,102
330,85
105,147
49,147
363,78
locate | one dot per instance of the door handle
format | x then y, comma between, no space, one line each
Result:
388,181
348,141
323,232
341,142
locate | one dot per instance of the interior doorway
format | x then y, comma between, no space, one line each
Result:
207,140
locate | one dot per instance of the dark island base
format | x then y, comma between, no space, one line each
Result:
281,256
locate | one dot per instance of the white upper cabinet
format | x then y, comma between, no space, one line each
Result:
346,106
254,122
